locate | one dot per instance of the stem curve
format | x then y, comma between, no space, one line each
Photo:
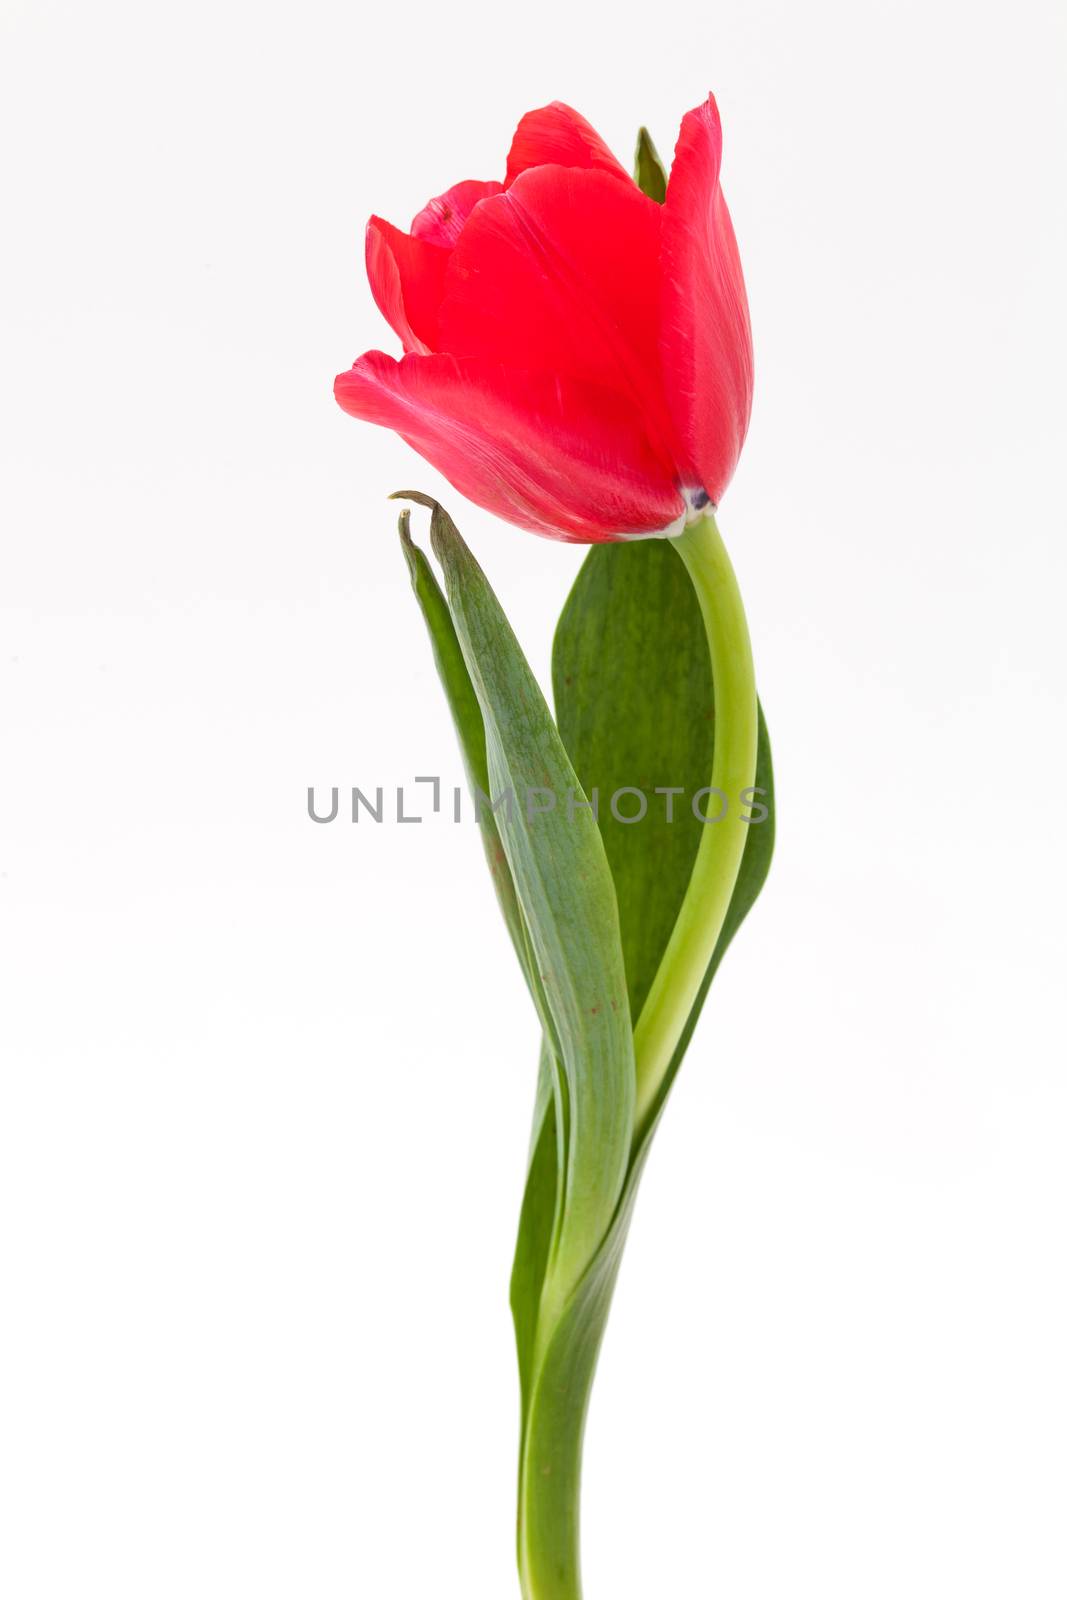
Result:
718,860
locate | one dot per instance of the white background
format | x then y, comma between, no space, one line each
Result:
267,1085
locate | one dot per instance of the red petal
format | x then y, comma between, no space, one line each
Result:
407,279
706,339
557,136
441,221
547,453
561,274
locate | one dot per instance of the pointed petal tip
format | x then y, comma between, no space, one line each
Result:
341,386
702,121
707,358
406,277
376,235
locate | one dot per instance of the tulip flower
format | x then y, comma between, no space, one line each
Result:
578,358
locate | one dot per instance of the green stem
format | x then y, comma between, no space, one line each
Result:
563,1349
557,1399
707,899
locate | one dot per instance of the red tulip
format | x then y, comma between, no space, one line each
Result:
578,358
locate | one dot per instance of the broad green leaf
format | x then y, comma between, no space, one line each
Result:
564,888
631,679
636,709
649,173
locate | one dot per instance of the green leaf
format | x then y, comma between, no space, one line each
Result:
635,703
631,678
649,172
470,730
542,1197
563,885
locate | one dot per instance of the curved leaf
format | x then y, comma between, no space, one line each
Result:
470,729
564,887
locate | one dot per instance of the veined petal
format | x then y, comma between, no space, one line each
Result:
706,339
556,135
548,453
407,278
441,221
561,274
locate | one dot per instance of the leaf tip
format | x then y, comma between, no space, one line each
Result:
650,175
409,549
420,499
